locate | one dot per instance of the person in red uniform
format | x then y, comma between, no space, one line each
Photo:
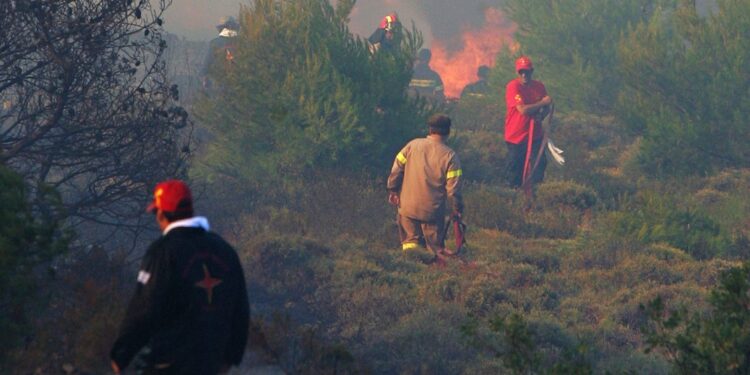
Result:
528,103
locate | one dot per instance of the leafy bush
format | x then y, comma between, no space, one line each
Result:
27,239
654,218
523,347
304,94
482,154
554,194
89,285
559,209
716,343
288,269
301,349
499,208
330,208
479,113
580,75
683,133
426,341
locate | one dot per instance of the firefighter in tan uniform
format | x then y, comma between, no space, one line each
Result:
425,174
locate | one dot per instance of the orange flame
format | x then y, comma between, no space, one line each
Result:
478,47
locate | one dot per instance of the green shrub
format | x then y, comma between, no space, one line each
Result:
655,218
704,136
561,208
290,268
304,94
330,208
482,154
553,194
427,341
90,286
715,343
527,347
483,296
499,208
633,363
485,113
29,236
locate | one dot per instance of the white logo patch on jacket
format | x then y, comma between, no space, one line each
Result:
143,277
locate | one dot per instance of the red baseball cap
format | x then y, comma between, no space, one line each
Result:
171,196
524,63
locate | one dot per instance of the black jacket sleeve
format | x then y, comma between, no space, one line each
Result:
377,36
240,320
145,308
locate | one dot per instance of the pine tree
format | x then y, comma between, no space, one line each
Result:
574,44
27,239
305,95
687,91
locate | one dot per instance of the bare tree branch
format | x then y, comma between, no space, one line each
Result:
85,103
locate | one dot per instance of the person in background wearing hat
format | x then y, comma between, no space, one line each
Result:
221,48
425,174
190,311
527,104
387,36
426,82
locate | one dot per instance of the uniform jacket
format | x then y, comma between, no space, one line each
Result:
426,172
517,124
477,89
426,82
223,47
387,40
190,307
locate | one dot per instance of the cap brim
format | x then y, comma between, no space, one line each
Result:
151,207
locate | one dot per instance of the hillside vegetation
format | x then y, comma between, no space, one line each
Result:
631,258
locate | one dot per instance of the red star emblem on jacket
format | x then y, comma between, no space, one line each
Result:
208,283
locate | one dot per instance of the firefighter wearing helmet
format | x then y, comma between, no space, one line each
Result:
387,36
527,105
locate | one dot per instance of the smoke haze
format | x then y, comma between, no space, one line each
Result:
197,19
437,19
464,34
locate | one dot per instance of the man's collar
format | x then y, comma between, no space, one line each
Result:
228,33
193,222
436,138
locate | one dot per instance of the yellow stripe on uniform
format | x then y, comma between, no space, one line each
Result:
401,158
409,246
454,174
422,83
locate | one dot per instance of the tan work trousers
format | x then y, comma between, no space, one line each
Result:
414,233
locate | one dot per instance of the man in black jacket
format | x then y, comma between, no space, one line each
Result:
190,312
387,37
220,49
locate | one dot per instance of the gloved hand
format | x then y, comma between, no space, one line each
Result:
394,199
